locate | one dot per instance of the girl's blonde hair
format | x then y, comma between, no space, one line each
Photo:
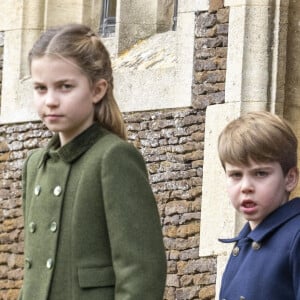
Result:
80,43
261,137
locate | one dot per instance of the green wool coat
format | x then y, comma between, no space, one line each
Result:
92,229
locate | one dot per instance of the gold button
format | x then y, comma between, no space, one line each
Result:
28,263
53,226
32,227
236,251
57,191
37,190
256,246
50,263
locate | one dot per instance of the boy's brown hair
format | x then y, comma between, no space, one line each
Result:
261,137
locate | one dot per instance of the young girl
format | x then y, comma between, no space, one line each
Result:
92,229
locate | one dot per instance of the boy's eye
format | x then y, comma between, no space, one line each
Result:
235,175
261,173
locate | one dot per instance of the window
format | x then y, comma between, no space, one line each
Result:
108,18
174,26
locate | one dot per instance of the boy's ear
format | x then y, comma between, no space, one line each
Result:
291,179
99,90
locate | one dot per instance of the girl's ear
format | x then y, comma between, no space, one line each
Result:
291,179
99,90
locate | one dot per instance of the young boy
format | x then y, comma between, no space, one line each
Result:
258,152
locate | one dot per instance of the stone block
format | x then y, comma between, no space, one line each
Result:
207,292
215,5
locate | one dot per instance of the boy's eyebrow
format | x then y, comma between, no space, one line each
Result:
232,168
262,167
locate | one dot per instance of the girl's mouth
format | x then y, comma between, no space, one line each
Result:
52,117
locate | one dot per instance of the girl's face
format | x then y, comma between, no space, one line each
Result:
63,96
258,189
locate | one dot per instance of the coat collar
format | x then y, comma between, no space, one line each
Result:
75,148
276,219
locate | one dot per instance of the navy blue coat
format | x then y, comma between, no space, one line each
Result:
265,262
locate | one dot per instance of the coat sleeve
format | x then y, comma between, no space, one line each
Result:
24,180
20,297
295,265
134,227
24,185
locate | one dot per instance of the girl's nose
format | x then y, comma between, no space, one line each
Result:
51,99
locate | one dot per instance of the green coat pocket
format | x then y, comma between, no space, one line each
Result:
96,277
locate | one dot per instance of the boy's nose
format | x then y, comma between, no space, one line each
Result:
246,185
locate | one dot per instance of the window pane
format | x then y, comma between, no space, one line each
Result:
108,20
111,9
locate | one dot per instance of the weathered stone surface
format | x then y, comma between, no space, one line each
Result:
223,15
187,293
172,280
204,279
210,56
207,292
214,5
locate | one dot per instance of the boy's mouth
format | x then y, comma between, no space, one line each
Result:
248,203
248,206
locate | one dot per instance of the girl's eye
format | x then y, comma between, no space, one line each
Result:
40,88
66,87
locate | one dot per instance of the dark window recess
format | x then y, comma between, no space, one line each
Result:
108,19
174,26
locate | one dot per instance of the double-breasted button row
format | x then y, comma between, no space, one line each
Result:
254,245
49,263
33,227
56,191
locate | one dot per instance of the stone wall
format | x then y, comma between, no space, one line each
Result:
1,58
171,142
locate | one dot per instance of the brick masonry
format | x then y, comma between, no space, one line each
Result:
171,142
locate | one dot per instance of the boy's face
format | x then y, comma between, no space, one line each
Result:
258,189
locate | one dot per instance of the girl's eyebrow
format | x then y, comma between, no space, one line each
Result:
37,83
60,81
63,80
